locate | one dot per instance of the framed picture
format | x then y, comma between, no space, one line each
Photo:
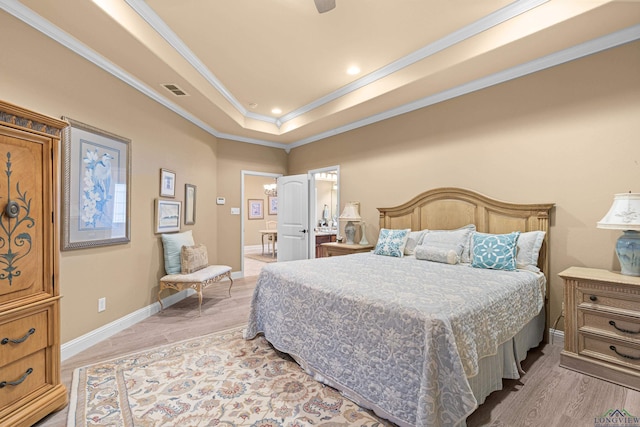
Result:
256,210
167,183
273,205
168,215
189,204
96,187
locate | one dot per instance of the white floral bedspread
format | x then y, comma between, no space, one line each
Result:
399,335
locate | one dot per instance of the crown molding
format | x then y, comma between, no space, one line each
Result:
609,41
18,10
506,13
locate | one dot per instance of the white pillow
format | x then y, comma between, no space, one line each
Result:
415,239
529,245
430,253
458,240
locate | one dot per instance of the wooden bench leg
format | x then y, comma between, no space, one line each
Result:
160,299
228,274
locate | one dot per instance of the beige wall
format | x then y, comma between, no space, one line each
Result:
567,135
233,158
39,74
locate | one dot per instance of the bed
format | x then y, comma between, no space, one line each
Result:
422,338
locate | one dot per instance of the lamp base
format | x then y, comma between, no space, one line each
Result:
350,232
363,240
628,251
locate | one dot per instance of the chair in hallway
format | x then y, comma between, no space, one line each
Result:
272,237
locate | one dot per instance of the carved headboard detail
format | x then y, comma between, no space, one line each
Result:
449,208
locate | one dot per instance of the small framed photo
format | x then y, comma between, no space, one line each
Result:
167,183
96,187
189,204
273,205
256,208
168,215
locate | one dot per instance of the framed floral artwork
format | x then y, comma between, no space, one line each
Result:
273,205
255,208
96,187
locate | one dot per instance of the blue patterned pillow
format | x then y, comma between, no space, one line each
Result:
392,242
495,251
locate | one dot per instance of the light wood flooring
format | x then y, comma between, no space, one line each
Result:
547,395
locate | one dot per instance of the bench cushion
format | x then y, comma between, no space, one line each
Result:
202,275
193,258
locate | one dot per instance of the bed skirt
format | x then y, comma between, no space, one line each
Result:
505,364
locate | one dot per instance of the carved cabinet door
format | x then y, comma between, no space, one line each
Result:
25,216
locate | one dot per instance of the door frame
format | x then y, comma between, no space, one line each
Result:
243,207
312,203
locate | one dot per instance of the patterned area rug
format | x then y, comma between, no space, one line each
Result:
263,258
219,379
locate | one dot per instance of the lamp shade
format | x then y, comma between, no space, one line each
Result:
624,213
350,213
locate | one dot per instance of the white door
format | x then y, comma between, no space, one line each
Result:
293,217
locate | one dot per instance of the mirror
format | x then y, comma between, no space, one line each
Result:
327,203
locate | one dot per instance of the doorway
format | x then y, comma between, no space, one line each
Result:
258,209
323,222
324,207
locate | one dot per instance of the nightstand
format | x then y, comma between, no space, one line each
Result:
337,249
602,325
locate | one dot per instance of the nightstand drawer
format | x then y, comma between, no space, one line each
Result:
598,299
621,327
612,351
22,336
22,377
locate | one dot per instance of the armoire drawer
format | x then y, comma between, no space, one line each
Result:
22,336
22,377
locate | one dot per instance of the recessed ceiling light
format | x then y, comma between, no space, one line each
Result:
276,111
353,70
253,105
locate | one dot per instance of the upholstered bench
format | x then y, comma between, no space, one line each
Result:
187,266
198,280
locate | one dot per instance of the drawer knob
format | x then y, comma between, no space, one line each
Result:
626,356
626,331
19,340
18,381
593,298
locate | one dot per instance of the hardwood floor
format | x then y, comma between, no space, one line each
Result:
547,395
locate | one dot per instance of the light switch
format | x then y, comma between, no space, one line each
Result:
220,200
235,211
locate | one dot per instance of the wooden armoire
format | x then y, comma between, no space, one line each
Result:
30,386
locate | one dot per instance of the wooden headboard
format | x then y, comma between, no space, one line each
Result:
449,208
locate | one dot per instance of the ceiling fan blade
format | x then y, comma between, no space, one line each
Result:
325,5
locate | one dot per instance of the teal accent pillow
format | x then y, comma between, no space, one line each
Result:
495,251
391,242
172,244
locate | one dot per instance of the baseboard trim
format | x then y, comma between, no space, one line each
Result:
556,337
75,346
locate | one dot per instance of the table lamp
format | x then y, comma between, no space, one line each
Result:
625,215
350,214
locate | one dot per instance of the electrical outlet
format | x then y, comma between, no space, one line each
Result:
102,304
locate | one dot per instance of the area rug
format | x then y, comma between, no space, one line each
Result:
218,379
263,258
